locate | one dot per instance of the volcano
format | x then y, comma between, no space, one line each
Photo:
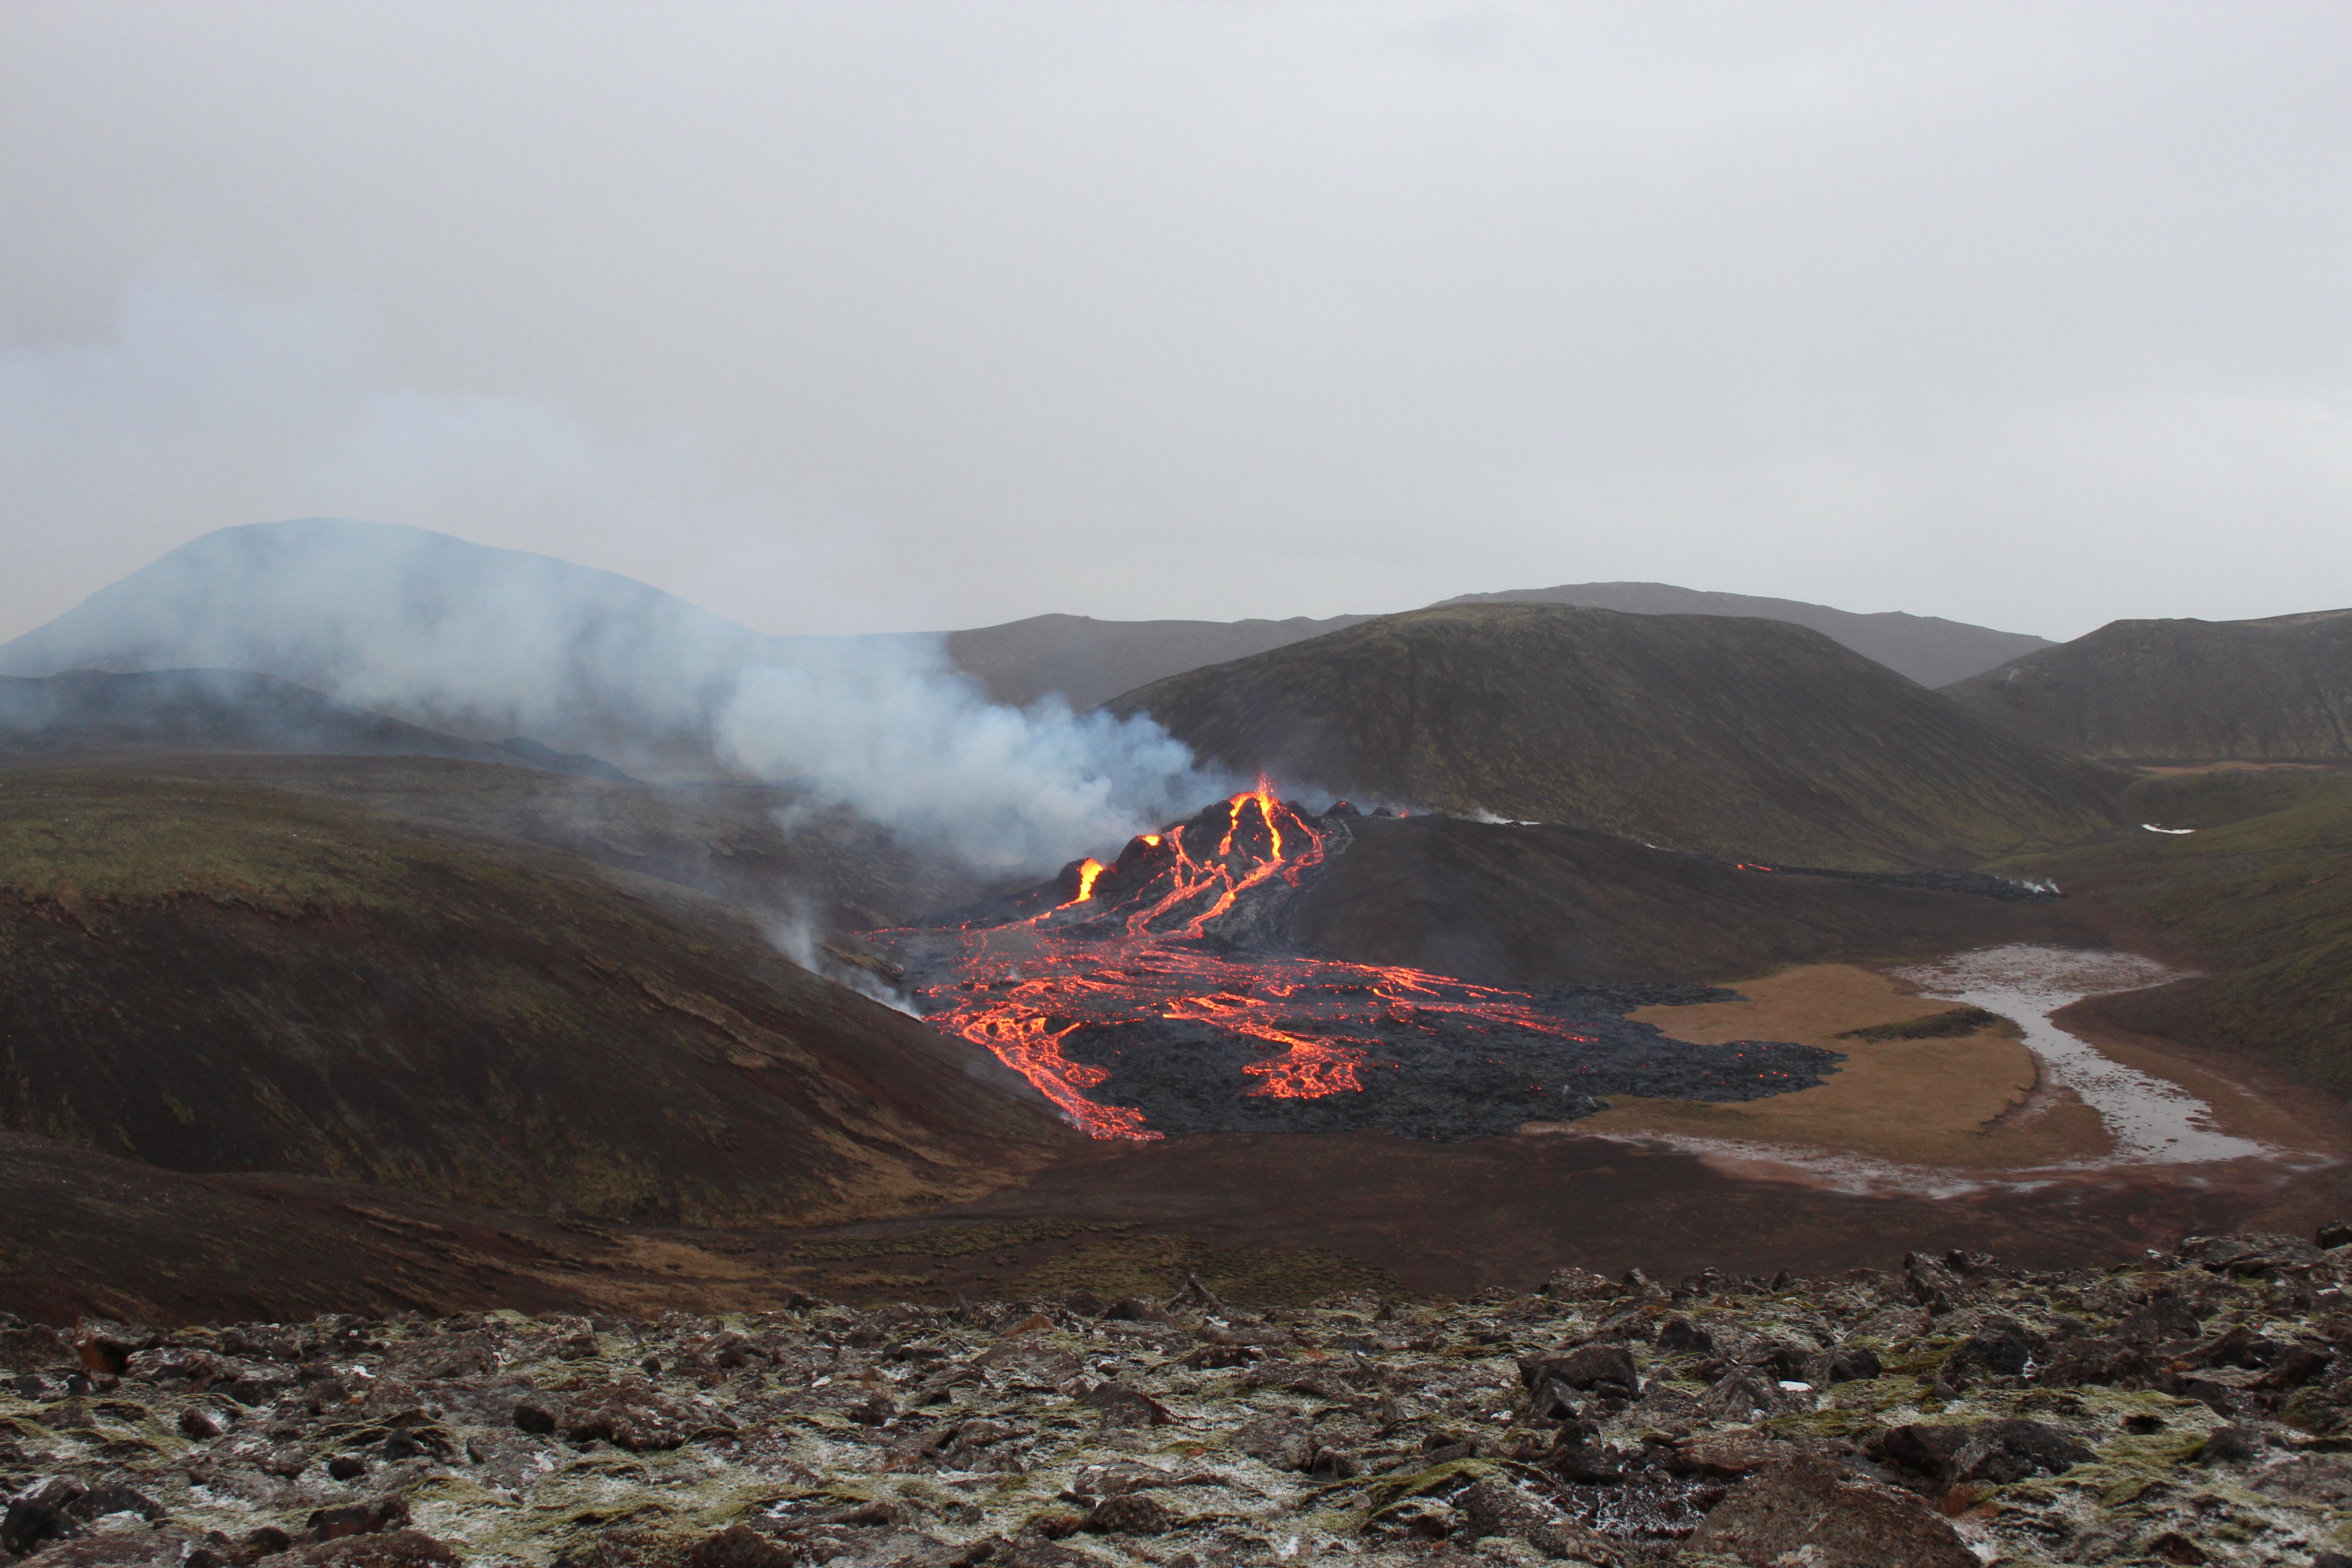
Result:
1161,995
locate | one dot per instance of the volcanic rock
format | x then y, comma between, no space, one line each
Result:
1804,1511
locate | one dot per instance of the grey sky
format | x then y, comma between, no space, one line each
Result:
873,315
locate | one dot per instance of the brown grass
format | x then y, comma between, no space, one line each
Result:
1968,1100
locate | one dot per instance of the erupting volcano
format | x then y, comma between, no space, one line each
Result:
1160,994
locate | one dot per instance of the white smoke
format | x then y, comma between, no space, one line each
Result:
490,644
796,936
889,726
199,392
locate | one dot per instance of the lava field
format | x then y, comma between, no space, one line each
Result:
1160,995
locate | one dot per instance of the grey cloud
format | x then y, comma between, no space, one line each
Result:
869,316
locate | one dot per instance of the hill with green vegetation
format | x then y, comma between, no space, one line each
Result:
207,975
1929,649
2182,691
1741,737
2258,896
725,837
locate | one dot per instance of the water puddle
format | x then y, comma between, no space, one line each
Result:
2152,1121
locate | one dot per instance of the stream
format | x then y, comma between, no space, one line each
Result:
2153,1122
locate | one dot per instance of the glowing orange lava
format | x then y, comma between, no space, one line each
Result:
1134,947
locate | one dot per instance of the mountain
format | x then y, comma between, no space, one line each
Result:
1742,737
484,643
2182,691
1089,662
1929,649
210,976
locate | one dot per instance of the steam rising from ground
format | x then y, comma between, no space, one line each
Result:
885,724
490,643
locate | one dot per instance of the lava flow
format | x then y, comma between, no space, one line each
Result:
1160,994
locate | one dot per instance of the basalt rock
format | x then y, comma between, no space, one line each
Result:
1805,1512
1597,1425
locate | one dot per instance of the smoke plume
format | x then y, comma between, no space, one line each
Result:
488,644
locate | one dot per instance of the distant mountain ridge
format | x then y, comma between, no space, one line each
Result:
1737,737
2277,690
589,660
1088,662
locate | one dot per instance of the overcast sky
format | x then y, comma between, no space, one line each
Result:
873,315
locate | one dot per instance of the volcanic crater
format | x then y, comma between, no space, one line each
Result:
1161,995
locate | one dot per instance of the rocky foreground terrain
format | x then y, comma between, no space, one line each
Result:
2193,1407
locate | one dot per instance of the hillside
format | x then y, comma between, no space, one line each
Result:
2182,691
1548,906
1929,649
210,976
1741,737
723,838
2258,896
178,711
1089,661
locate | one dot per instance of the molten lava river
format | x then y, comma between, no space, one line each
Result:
1160,994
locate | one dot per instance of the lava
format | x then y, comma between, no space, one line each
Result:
1162,963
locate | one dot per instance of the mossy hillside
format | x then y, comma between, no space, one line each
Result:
1746,738
210,976
2182,690
723,837
2260,897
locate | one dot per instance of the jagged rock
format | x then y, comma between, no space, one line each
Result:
1601,1368
1124,1406
630,1415
2000,1346
33,1347
1804,1511
1736,1396
739,1546
1933,1285
1496,1507
1579,1285
2231,1446
159,1547
1131,1514
1853,1364
1680,1336
2253,1253
396,1549
2332,1235
360,1519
